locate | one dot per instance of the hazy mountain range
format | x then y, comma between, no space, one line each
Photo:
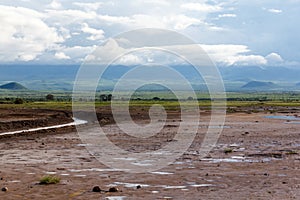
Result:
61,77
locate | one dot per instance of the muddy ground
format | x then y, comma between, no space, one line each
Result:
255,158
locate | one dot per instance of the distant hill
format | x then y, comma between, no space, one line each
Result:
13,86
298,84
259,85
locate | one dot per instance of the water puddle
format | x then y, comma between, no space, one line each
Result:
95,170
235,159
80,175
15,181
202,185
173,186
162,173
128,185
115,198
75,122
143,163
283,117
51,173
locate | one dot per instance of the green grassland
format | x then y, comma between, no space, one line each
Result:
63,99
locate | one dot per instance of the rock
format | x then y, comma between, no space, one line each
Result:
113,189
138,187
4,189
96,189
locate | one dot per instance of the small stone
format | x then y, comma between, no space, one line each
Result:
283,182
113,189
266,174
96,189
4,189
138,187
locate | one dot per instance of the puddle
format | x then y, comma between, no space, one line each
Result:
235,159
128,185
65,174
75,122
202,185
80,175
143,163
83,145
292,122
95,170
115,198
173,186
125,159
283,117
51,173
219,126
155,192
15,181
162,173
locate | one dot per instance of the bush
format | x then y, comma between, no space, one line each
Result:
50,97
18,101
46,180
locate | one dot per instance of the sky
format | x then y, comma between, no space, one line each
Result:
233,32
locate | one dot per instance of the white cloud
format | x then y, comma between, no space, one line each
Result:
24,35
89,6
130,59
95,34
201,7
77,53
227,15
66,17
272,10
61,56
55,4
274,58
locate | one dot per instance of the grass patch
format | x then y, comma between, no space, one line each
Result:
228,150
46,180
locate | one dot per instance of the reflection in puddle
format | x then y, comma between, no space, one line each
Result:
51,173
202,185
143,163
95,170
173,186
219,126
115,198
15,181
283,117
80,175
75,122
162,173
235,159
126,159
128,185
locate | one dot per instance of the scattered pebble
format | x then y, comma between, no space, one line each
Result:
113,189
96,189
138,187
4,189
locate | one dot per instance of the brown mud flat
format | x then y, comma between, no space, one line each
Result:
254,158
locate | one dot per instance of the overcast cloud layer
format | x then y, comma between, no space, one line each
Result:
233,32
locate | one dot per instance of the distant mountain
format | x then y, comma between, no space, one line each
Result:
298,84
13,86
259,85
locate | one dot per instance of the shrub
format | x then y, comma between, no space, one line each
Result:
50,97
46,180
18,101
